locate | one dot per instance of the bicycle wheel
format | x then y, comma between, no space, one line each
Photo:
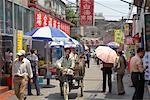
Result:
66,90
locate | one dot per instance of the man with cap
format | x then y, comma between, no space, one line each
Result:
22,71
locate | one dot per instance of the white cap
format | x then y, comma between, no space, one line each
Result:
21,53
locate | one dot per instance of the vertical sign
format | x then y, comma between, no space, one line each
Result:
54,23
147,31
19,40
45,20
126,29
38,19
50,21
118,36
58,24
86,12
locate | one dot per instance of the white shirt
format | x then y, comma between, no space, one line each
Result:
22,68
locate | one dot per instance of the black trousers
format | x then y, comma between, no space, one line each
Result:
138,83
107,73
88,63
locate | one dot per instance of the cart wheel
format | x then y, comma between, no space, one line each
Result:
66,90
81,88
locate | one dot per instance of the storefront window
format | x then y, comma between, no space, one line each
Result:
8,20
26,20
18,17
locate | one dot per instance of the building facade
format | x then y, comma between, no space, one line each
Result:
141,23
22,16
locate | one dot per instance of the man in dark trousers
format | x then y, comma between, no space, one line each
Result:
88,58
137,74
107,71
34,64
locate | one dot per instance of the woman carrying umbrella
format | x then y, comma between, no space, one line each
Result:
108,57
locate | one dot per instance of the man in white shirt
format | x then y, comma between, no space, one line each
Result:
22,71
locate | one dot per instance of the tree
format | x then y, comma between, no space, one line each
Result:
71,14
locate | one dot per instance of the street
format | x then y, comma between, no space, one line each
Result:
92,88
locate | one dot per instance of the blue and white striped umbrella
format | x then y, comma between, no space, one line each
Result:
73,43
49,33
56,44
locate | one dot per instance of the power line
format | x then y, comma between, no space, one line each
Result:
71,2
110,8
102,5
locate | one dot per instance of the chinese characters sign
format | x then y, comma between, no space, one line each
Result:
118,36
19,40
42,20
86,12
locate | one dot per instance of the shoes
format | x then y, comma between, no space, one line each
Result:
102,91
121,93
25,98
131,86
30,94
39,94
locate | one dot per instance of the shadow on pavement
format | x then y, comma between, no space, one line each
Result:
92,91
47,86
57,96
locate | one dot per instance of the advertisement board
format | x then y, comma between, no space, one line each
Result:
118,36
19,40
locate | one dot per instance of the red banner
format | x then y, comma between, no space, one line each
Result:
86,12
42,20
38,19
50,20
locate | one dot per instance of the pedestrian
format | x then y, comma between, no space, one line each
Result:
22,71
88,58
120,70
137,74
8,60
34,64
107,72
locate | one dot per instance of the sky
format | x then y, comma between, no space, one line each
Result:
120,9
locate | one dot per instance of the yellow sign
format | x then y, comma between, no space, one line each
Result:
118,36
19,40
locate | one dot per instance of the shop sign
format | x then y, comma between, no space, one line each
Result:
19,40
86,12
42,20
126,29
146,63
118,36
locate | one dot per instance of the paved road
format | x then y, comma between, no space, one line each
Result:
92,87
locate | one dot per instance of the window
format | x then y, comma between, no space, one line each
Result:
26,20
8,20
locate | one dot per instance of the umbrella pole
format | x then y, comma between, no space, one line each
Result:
47,53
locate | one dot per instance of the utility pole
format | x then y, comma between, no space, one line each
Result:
4,12
14,36
14,32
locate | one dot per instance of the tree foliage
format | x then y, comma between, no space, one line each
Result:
71,14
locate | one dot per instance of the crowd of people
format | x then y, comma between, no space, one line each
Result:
134,66
25,71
